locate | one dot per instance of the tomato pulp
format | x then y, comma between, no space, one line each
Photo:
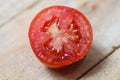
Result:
60,36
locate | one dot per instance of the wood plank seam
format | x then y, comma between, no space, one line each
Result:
13,17
114,48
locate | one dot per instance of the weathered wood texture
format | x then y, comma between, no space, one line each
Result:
109,69
17,61
11,8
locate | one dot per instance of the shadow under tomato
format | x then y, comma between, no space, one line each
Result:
65,73
80,68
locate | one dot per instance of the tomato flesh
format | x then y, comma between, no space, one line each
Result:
60,36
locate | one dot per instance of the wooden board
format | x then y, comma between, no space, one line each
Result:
17,61
10,9
109,69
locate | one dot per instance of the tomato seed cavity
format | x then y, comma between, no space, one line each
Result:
59,37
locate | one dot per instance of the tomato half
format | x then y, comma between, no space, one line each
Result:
60,36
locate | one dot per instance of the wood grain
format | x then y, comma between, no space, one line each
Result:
17,61
109,69
11,8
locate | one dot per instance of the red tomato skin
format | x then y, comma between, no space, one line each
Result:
34,27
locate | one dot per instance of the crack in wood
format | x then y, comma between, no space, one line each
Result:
33,5
22,11
114,48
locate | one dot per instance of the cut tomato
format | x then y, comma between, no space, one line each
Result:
60,36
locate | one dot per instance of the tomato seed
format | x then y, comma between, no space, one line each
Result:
75,30
71,25
53,49
77,36
58,50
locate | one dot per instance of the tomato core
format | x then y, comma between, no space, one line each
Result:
59,37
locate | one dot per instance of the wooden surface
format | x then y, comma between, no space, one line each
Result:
109,69
17,61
